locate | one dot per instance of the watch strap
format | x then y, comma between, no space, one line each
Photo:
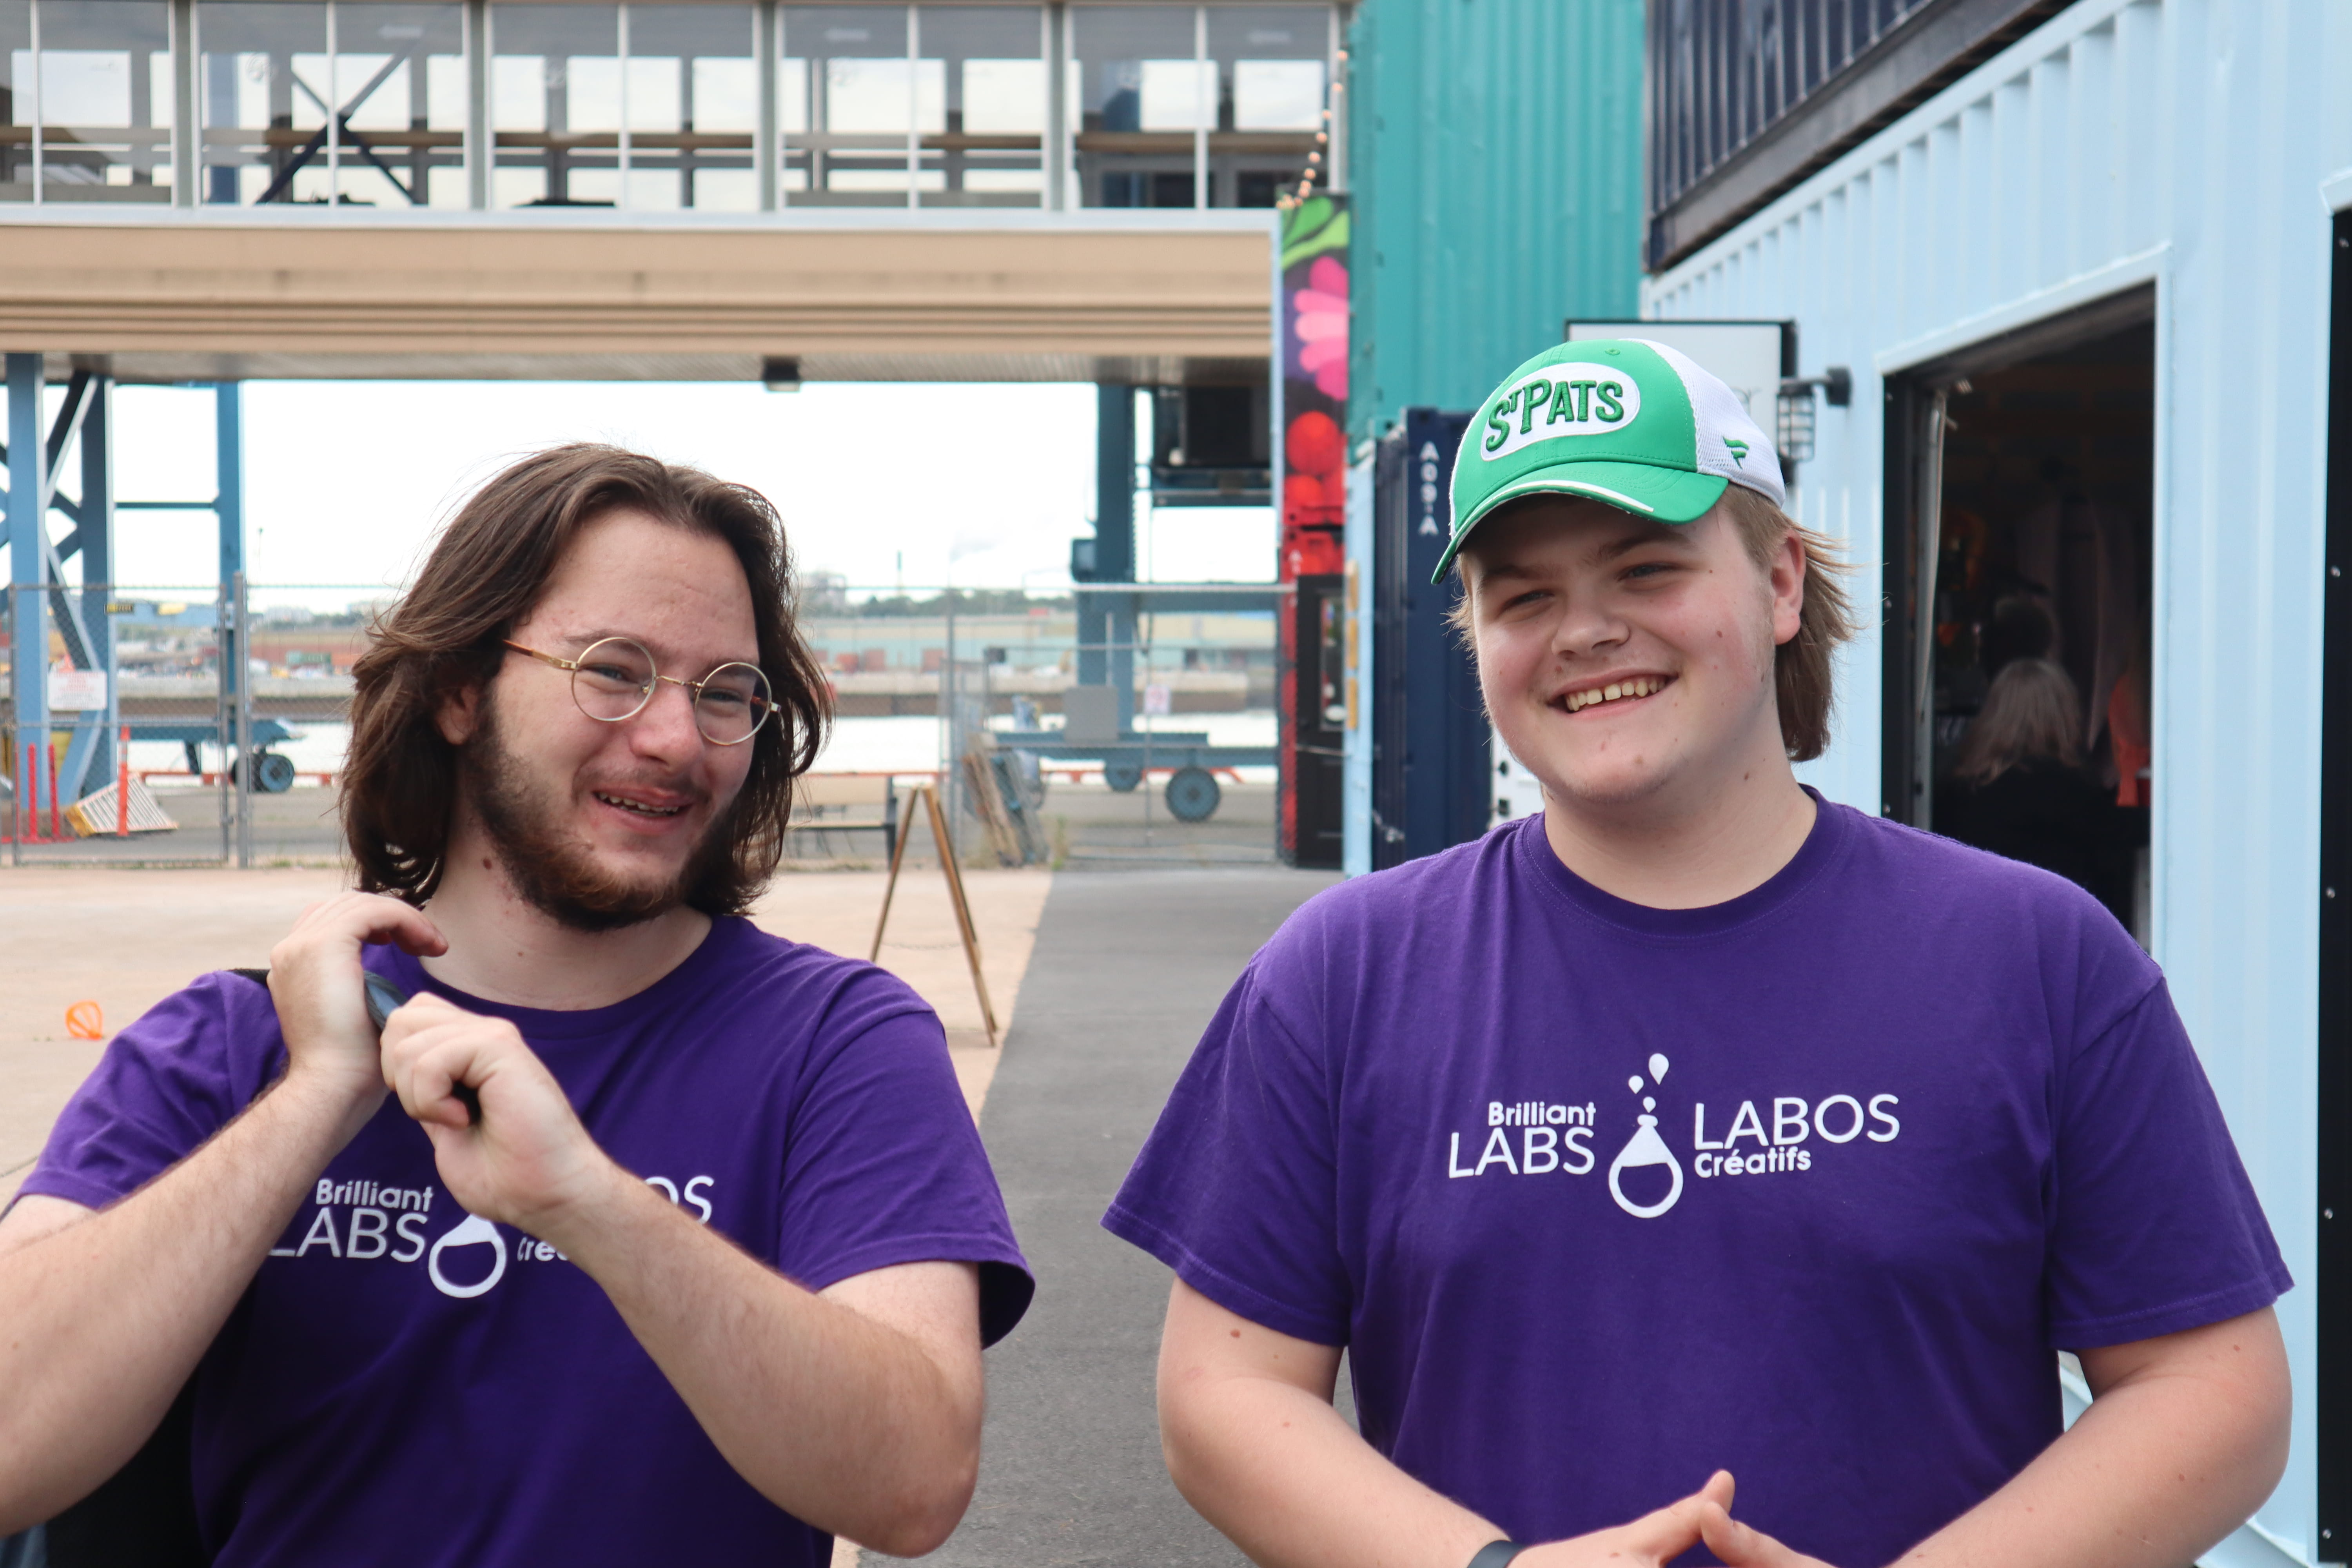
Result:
1496,1553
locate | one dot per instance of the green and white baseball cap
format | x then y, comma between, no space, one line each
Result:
1621,420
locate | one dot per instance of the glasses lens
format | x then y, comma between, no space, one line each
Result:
735,701
613,679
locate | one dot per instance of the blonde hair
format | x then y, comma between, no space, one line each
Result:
2031,711
1802,667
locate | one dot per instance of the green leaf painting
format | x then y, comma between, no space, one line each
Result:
1312,227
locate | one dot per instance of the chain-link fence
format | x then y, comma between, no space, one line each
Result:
1060,727
1068,728
119,772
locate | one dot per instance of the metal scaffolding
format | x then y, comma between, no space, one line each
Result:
45,607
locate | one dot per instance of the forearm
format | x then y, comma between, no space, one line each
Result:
2156,1471
106,1318
1276,1469
840,1420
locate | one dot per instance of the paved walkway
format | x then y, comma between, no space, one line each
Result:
1127,969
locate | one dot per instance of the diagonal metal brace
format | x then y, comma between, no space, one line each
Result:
342,121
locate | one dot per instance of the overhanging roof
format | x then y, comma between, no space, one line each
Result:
207,293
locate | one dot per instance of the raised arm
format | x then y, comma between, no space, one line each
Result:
857,1410
106,1313
1253,1442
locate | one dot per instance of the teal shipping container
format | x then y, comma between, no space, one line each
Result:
1495,169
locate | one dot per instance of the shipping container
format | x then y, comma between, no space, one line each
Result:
1496,172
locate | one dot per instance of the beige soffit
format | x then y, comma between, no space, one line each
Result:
913,296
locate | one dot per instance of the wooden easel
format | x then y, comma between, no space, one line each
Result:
930,797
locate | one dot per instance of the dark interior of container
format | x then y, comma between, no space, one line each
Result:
2047,550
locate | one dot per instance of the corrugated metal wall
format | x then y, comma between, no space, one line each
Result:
1497,174
2184,142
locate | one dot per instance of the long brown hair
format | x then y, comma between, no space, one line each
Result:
2031,711
488,569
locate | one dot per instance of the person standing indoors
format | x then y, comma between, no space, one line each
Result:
641,1236
2020,787
1699,1166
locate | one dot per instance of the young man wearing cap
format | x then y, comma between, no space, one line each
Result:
1698,1133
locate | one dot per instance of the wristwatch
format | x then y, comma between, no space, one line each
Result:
1496,1553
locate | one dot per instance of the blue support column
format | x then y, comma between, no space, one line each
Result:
27,571
228,408
89,762
229,429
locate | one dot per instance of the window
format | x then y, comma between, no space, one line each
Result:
658,105
94,122
990,62
852,101
1200,106
358,104
692,108
555,106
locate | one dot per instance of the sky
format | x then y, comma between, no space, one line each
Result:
886,483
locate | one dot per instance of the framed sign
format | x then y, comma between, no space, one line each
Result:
1750,356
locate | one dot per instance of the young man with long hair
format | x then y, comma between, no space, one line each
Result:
640,1236
1697,1133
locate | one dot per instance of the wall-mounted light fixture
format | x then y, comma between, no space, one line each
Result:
1795,436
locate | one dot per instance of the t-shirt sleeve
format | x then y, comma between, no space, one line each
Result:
164,1085
884,1166
1237,1189
2153,1227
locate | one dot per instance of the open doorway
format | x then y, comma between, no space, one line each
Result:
2019,636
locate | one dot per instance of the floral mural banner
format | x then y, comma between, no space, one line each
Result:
1314,382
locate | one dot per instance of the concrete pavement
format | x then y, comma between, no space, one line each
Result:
1127,969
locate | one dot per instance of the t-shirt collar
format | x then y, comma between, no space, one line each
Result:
1823,846
675,990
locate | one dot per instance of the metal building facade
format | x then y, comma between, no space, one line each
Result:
1495,170
2195,148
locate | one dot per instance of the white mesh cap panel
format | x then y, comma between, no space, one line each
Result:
1723,422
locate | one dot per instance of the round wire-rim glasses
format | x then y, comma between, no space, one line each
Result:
613,678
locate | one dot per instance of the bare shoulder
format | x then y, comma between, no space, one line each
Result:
35,1216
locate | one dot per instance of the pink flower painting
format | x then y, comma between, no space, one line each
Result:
1319,318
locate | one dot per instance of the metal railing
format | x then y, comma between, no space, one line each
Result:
216,711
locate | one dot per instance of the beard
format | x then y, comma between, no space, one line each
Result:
555,872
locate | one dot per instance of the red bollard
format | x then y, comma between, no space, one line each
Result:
57,827
29,796
122,785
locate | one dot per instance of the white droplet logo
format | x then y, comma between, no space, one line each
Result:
476,1231
1645,1148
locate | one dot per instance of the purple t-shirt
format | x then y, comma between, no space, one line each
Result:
1806,1185
405,1382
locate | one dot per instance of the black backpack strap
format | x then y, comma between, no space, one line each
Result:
258,976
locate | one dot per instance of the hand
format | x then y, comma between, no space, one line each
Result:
1744,1546
315,982
527,1160
1649,1542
